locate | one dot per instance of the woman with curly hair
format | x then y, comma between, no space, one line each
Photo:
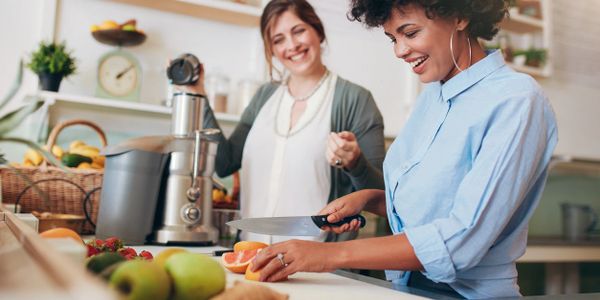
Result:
463,177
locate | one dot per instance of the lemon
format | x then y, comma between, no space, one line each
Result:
165,254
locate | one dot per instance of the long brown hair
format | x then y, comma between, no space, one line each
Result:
276,8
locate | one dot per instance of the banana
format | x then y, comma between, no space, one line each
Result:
84,165
56,151
99,161
75,144
85,150
34,157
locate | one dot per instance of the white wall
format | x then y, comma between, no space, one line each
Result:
21,23
574,88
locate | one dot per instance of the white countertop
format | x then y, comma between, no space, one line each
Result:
306,285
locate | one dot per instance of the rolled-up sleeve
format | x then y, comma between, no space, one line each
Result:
512,157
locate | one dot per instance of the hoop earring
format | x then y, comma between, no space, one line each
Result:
452,52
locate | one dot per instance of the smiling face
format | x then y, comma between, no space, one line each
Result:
425,43
296,44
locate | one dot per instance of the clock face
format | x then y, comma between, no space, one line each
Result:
118,75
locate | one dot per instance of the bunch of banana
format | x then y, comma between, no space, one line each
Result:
83,156
34,158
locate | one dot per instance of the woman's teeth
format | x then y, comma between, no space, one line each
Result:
417,62
297,57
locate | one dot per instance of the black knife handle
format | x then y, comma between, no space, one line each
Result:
321,221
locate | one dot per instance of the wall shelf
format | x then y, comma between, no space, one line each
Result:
216,10
52,97
522,23
536,72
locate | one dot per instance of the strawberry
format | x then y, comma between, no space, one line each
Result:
99,244
146,255
127,252
91,250
113,244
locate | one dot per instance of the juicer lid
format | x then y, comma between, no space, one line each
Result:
156,144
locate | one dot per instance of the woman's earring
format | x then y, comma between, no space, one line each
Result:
452,51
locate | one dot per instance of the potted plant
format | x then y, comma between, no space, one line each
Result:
535,57
51,62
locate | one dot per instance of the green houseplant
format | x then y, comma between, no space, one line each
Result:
52,62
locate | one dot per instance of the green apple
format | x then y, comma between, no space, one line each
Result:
195,276
139,279
128,27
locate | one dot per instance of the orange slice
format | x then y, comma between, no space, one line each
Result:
237,262
61,233
248,245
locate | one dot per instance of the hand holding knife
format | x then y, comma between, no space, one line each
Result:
292,226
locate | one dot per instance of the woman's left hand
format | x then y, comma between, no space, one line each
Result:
296,256
342,150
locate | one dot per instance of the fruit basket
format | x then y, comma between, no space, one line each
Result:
57,190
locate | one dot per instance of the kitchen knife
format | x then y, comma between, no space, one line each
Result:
291,226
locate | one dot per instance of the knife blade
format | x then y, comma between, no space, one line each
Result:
291,226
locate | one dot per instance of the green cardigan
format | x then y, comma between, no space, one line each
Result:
353,110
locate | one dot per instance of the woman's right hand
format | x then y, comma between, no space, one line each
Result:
342,207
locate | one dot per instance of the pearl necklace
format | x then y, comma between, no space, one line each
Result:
283,91
314,90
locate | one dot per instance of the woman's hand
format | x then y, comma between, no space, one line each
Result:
197,87
342,150
342,207
280,260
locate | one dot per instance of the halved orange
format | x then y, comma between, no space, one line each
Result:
248,245
238,261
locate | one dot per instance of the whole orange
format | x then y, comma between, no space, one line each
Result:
61,233
248,245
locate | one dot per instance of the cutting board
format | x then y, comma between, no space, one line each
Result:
326,286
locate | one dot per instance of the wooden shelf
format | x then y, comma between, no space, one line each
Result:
522,24
536,72
53,97
216,10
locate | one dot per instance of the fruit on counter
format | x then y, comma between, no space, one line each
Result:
100,262
195,276
61,233
248,291
238,261
248,245
73,160
115,245
218,196
254,276
162,257
138,279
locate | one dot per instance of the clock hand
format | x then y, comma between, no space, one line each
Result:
124,71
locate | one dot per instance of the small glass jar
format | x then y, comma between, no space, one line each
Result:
217,90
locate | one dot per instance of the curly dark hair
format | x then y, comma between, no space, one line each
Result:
484,15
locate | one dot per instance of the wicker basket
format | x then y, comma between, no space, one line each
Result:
67,192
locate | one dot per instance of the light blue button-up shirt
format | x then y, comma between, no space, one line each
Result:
466,173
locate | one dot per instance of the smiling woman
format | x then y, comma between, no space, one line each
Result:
465,174
308,136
